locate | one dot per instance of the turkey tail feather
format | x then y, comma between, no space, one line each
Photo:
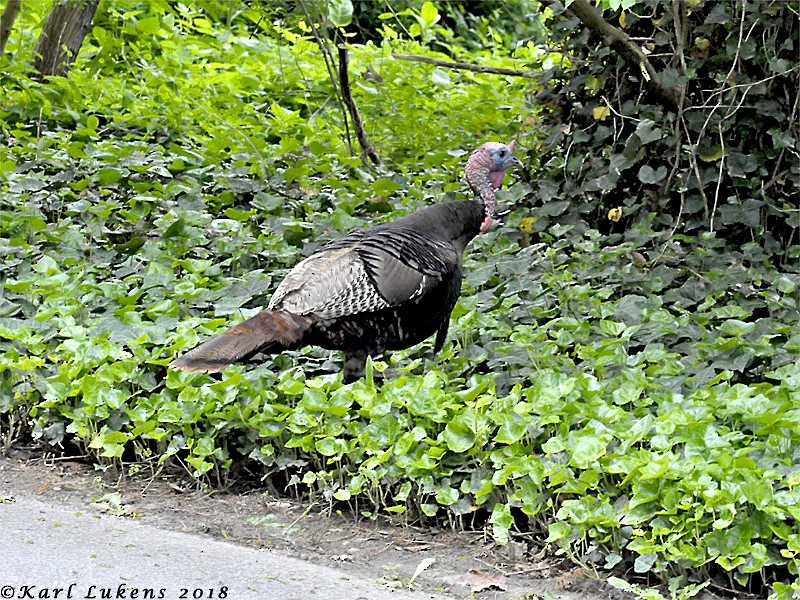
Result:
268,331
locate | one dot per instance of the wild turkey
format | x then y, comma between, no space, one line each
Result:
383,288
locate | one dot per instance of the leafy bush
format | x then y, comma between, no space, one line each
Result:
713,147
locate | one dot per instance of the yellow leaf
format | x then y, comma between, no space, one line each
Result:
702,43
526,224
615,214
622,18
601,112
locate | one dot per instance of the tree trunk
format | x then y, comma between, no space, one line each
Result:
62,35
7,21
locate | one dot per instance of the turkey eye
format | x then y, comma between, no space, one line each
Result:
503,153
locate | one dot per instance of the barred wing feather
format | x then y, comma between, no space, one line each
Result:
365,272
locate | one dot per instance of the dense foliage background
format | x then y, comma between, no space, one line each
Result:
623,378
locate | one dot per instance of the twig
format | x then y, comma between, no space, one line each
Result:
719,177
465,66
679,19
46,460
367,151
300,518
397,19
789,125
491,566
619,114
738,46
381,551
742,86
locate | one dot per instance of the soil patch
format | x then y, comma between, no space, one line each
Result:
459,565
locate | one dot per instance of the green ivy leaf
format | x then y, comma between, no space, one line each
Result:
109,175
459,435
644,563
441,77
649,175
586,447
648,131
148,25
340,12
429,13
342,495
558,531
512,428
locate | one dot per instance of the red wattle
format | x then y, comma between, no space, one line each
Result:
496,177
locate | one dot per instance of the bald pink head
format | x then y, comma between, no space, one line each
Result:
486,167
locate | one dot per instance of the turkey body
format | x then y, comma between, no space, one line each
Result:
412,271
383,288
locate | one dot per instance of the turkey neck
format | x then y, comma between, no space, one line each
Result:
453,222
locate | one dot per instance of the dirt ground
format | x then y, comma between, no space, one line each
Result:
460,565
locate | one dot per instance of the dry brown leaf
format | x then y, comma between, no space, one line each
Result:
479,582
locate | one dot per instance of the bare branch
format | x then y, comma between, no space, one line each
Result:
719,178
679,18
465,66
627,48
344,82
